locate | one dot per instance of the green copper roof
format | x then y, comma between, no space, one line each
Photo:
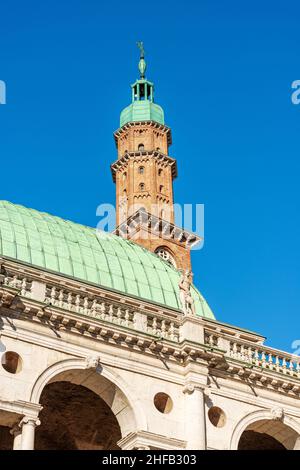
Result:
70,249
142,111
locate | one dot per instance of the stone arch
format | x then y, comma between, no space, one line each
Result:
116,393
260,416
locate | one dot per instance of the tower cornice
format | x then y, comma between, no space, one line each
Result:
163,128
140,156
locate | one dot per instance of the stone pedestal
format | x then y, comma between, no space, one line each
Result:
192,330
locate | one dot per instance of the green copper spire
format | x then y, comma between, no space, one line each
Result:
143,107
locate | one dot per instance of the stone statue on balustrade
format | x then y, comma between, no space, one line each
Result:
186,299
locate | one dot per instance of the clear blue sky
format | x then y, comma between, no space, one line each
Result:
223,73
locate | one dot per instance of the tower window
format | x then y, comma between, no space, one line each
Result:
160,172
141,147
141,170
165,254
142,187
161,188
124,175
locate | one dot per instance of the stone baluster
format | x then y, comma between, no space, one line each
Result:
86,306
127,317
61,298
154,326
242,353
277,364
53,296
119,316
284,365
250,355
270,361
172,332
256,357
23,287
94,308
291,367
77,303
14,283
263,359
111,313
69,301
102,310
163,328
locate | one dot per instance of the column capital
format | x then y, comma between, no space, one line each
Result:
190,387
30,420
16,429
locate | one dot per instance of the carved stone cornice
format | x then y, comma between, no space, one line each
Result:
143,220
145,440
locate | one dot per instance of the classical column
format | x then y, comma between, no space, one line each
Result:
195,428
17,433
28,430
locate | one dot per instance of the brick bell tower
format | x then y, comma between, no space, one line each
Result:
144,174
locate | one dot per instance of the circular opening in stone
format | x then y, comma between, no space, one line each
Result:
11,362
163,402
217,417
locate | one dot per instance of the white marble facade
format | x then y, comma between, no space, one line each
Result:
217,381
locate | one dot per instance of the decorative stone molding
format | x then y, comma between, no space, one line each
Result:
92,362
188,388
277,413
145,440
7,296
